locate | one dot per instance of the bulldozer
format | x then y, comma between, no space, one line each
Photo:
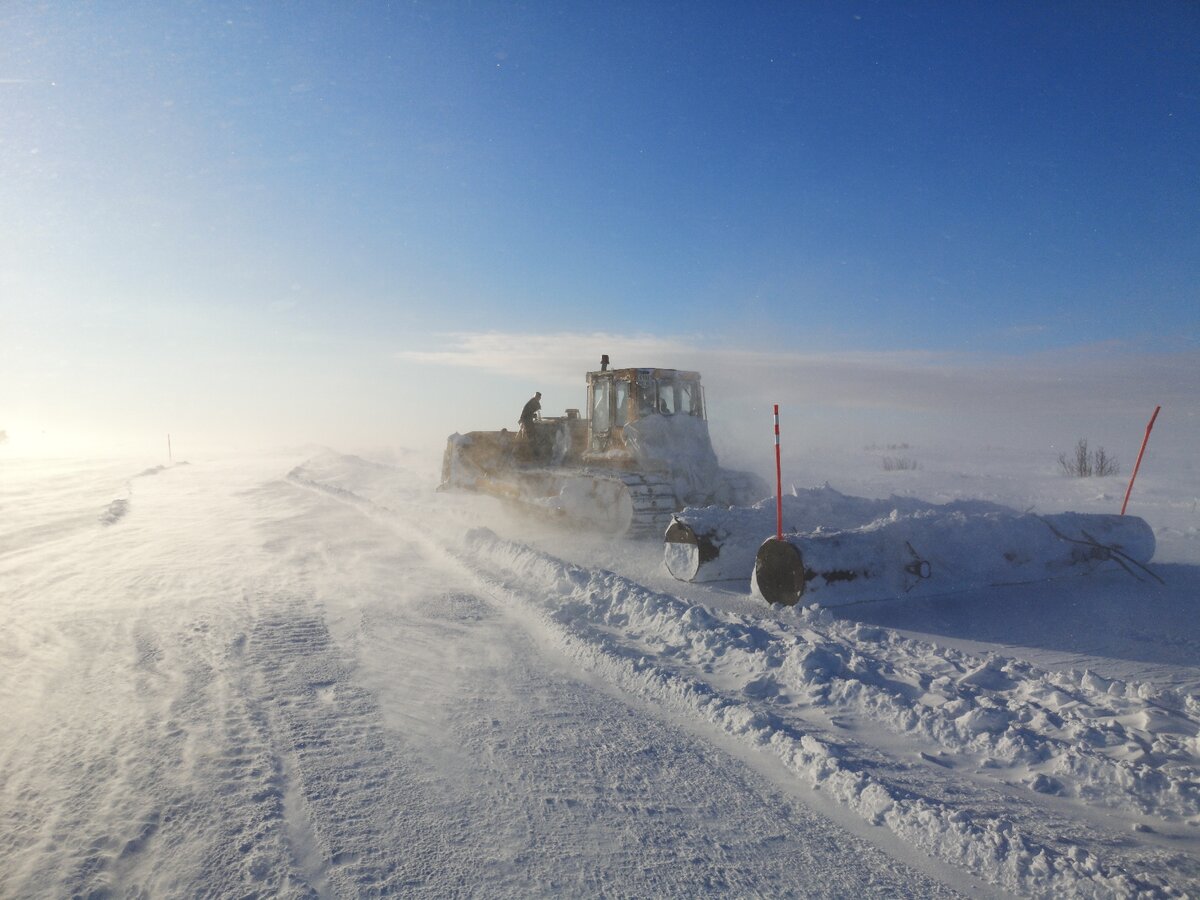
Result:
642,453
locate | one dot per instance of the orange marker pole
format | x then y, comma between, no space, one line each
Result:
1137,465
778,483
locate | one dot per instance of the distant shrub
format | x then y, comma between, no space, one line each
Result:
1085,463
898,464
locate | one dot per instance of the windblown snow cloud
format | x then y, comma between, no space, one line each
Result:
560,357
1084,383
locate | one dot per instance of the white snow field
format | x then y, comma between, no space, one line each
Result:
312,675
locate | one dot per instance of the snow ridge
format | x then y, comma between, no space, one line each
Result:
642,640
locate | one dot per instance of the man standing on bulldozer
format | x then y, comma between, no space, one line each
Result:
530,413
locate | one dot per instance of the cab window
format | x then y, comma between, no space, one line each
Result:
621,395
689,398
601,419
667,403
647,395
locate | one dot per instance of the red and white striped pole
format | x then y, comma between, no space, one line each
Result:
778,483
1137,465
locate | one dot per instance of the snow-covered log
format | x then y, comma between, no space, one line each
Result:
718,543
934,552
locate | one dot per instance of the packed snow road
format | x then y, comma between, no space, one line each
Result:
217,680
1039,781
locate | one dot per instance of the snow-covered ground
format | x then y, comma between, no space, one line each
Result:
310,674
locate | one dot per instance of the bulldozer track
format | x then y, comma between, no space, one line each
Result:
653,499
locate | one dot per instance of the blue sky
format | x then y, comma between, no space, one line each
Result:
228,217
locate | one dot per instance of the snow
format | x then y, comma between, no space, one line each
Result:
682,441
311,675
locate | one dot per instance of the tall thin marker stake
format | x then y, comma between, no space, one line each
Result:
778,483
169,457
1137,465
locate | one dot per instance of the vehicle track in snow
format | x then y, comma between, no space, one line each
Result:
141,765
180,722
362,822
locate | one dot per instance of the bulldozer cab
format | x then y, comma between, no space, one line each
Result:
641,452
619,397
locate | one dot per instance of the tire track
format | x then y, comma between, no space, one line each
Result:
166,772
357,790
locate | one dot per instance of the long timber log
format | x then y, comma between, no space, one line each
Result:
720,544
925,554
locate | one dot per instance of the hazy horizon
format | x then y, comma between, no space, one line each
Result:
477,382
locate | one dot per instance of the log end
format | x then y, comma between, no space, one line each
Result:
778,572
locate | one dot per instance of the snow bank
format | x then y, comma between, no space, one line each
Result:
1048,733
